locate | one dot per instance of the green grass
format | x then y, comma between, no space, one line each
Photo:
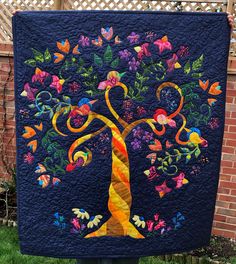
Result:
10,253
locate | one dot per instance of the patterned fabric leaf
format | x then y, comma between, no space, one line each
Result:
98,60
38,56
108,54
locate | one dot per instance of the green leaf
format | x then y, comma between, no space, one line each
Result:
185,149
38,56
90,70
115,63
178,158
197,152
187,68
188,157
196,74
90,92
197,64
38,114
81,62
170,160
108,54
97,60
66,99
30,62
58,108
47,55
165,163
31,106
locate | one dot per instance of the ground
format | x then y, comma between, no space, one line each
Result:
10,254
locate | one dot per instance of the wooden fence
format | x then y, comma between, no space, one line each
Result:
8,6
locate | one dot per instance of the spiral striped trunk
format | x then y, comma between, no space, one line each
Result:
120,198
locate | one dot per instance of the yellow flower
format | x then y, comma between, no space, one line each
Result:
94,221
139,221
80,213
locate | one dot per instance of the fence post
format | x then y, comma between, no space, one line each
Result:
230,5
58,4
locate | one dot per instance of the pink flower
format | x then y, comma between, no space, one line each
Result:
156,217
160,224
150,224
163,44
40,76
113,78
28,158
57,83
75,223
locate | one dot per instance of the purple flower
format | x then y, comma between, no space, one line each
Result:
141,111
83,41
148,136
127,104
138,132
74,87
150,36
78,121
214,123
28,158
133,64
133,38
104,137
128,116
136,144
124,54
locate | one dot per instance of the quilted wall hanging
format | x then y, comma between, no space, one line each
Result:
120,119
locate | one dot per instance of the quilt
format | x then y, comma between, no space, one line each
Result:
119,127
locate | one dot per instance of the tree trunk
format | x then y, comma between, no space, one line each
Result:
120,198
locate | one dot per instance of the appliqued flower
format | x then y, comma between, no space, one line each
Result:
125,54
64,47
94,221
150,225
141,111
148,136
160,116
29,92
138,132
136,144
160,224
83,41
133,64
81,213
28,158
127,104
163,44
143,51
75,223
57,83
40,76
128,116
107,33
133,38
78,121
113,78
139,221
74,87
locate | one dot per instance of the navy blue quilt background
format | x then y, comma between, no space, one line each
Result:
203,33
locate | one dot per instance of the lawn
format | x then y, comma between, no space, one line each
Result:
10,254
